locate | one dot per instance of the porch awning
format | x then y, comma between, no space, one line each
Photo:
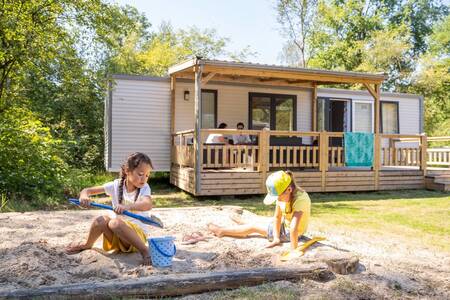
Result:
230,69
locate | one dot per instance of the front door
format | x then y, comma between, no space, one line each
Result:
333,115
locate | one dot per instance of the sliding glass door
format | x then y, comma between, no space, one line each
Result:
276,112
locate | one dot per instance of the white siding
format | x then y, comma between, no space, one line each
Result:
141,122
232,105
408,106
141,114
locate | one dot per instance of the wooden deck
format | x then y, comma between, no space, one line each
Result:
248,182
243,169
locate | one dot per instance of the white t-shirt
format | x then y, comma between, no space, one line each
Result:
215,138
112,189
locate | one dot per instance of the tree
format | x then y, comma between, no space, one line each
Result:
432,80
167,47
297,18
370,35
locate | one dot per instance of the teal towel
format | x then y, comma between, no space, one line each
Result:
358,149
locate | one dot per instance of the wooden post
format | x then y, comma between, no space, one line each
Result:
172,117
377,108
423,156
377,140
377,159
197,131
323,163
264,148
173,82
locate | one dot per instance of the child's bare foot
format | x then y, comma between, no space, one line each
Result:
75,248
216,230
237,219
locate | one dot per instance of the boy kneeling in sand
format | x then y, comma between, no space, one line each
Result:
292,211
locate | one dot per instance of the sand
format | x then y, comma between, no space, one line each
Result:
32,248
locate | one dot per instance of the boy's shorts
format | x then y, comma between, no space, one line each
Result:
285,235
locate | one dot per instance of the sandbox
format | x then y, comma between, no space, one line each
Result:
33,262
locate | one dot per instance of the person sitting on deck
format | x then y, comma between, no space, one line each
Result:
217,138
241,139
291,216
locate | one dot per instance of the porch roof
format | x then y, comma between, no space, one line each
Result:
215,68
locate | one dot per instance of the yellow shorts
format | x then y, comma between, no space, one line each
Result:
117,244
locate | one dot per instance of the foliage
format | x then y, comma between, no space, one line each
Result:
167,47
376,36
30,161
297,21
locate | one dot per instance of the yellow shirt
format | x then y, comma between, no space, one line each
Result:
302,203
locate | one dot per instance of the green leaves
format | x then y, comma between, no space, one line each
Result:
30,160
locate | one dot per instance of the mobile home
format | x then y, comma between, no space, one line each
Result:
291,118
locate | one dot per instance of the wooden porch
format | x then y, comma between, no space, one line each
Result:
318,167
318,164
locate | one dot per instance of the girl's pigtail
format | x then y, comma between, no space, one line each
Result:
123,176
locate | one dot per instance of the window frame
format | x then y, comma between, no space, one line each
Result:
398,115
273,98
372,104
215,106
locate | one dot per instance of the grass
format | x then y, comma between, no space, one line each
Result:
415,214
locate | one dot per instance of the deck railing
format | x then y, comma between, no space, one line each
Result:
402,150
183,148
315,151
220,156
440,154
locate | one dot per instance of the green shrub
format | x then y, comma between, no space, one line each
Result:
30,158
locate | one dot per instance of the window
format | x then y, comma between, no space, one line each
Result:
362,116
277,112
209,109
389,117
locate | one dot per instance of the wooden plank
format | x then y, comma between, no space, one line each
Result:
308,160
294,159
209,181
308,179
401,187
284,74
301,156
235,186
350,188
310,184
377,160
220,192
307,174
400,172
352,179
423,149
400,178
350,183
197,117
349,173
405,182
170,285
219,175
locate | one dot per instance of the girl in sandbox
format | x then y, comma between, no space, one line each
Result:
131,192
291,216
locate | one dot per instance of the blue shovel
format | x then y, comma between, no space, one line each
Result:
154,221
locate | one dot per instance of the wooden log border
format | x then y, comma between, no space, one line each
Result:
171,285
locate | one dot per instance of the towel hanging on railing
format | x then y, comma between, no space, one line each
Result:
358,149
